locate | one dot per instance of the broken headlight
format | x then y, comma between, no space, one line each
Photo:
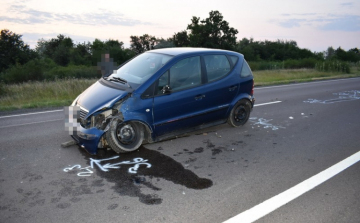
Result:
100,119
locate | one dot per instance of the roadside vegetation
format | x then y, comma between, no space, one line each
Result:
42,94
57,70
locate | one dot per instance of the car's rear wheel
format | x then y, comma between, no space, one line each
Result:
240,113
125,137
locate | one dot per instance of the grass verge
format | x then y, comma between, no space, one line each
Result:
42,94
276,77
45,94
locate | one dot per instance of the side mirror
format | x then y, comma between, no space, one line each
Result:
166,89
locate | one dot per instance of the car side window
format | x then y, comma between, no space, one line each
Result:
163,81
234,59
245,71
184,74
217,66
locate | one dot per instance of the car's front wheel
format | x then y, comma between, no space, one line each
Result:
125,137
240,113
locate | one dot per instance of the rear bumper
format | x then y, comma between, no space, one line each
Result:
252,100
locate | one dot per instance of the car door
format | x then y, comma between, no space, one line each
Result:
177,100
221,88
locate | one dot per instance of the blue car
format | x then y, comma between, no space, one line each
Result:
161,94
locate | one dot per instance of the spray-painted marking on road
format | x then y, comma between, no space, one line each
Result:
342,96
265,123
87,171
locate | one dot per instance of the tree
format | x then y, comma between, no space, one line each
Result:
162,43
13,50
140,44
351,55
57,49
181,39
329,53
81,54
212,32
114,48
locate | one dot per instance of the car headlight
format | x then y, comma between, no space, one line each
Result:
74,102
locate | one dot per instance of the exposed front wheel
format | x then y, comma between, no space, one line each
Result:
240,113
125,137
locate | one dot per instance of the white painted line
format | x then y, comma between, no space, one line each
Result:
35,113
304,83
268,103
8,126
285,197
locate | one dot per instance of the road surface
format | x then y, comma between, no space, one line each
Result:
295,133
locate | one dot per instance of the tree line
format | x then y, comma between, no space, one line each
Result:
60,57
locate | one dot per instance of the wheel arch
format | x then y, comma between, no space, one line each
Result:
148,131
238,98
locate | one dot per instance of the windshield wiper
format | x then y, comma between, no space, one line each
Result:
120,80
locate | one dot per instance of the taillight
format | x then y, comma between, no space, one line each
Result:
252,89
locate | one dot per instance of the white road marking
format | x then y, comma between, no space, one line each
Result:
285,197
314,82
44,112
2,127
35,113
268,103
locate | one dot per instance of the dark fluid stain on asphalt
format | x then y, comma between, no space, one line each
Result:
199,150
127,184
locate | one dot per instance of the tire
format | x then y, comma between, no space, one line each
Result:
125,137
240,113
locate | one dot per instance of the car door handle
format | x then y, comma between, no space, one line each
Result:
199,97
232,88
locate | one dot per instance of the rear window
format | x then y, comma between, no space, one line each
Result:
245,71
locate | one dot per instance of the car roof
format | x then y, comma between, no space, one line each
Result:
174,51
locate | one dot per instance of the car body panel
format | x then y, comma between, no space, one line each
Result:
99,96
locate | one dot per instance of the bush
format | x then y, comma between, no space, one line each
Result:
46,69
333,66
72,71
30,71
287,64
303,63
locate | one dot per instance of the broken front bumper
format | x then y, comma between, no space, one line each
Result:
87,139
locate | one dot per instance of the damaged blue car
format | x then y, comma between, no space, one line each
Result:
161,94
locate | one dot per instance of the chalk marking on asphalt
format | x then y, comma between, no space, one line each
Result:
34,113
31,123
268,103
285,197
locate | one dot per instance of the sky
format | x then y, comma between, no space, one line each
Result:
313,24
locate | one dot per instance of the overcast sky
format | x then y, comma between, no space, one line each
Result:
313,24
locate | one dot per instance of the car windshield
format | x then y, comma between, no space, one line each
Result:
141,68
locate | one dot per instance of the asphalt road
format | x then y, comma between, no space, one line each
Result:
208,176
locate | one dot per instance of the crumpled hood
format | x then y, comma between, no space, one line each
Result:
98,96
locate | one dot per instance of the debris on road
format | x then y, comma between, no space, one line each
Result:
68,144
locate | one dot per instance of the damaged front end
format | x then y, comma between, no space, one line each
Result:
88,130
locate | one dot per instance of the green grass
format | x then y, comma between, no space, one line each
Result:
45,94
276,77
42,94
